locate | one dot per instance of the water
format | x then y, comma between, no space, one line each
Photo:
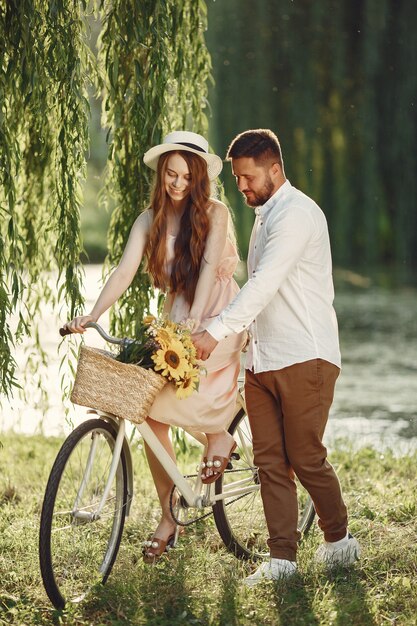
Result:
376,395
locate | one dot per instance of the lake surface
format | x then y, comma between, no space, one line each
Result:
376,394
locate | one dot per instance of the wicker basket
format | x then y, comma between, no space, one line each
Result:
123,389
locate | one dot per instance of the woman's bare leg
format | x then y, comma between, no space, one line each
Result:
163,482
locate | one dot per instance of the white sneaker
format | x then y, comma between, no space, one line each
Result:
274,569
342,552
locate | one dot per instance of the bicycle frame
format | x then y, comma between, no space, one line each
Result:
121,443
194,497
90,490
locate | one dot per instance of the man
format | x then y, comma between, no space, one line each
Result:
293,359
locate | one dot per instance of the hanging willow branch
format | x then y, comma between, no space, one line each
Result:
156,67
43,142
152,69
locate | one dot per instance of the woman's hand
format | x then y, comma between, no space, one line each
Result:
77,324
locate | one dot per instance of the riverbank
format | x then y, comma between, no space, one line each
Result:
201,583
376,395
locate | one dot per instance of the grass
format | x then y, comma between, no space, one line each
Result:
201,583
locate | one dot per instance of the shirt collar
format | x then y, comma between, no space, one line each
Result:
274,199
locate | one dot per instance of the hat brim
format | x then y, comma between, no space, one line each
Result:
214,162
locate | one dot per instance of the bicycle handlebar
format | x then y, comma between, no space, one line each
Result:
65,331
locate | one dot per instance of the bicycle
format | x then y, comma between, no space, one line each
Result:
90,490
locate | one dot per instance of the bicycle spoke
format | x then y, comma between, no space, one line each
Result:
81,546
240,519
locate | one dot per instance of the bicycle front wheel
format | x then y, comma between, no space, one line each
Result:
77,548
240,519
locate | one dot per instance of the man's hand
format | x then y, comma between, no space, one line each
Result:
205,344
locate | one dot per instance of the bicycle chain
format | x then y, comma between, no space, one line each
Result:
201,517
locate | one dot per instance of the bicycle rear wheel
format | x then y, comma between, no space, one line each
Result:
240,520
77,551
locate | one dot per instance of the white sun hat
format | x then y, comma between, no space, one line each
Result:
190,142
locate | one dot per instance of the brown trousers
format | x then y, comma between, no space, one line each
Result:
288,411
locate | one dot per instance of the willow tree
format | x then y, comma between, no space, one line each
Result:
157,68
335,80
151,70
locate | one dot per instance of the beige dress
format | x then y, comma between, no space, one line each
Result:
211,408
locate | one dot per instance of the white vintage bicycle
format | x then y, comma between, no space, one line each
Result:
90,490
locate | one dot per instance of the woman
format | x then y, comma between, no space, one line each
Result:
187,240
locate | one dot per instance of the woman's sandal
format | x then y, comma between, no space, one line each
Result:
155,547
218,464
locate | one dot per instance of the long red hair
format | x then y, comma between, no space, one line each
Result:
191,238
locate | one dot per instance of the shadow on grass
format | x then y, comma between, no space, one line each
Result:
350,598
297,600
294,603
153,595
228,612
163,594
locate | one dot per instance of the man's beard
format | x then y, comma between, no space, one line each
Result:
262,196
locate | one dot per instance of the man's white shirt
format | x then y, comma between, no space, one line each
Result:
287,303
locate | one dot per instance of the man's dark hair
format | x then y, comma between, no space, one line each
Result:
261,144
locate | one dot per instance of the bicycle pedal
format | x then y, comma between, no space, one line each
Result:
235,456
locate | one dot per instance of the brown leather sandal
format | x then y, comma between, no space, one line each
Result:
219,464
154,548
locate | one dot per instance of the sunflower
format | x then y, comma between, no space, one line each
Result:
189,346
171,360
165,336
189,384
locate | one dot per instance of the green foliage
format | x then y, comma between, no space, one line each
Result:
334,81
139,352
376,591
151,69
156,67
43,140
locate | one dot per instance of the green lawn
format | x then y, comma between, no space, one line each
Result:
200,583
